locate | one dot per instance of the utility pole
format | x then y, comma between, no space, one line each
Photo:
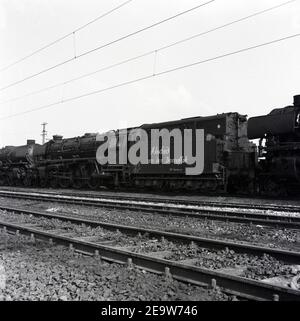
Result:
44,133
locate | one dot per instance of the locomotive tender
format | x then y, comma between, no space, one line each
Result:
232,163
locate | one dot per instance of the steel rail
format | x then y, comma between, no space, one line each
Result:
279,221
215,244
239,286
174,200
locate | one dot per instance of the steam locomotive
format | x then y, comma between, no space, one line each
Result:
278,150
232,162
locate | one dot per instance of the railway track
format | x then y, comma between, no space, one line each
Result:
239,286
174,200
170,200
238,216
288,256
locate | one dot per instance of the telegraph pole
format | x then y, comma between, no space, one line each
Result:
44,133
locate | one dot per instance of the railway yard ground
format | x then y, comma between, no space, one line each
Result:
40,272
83,245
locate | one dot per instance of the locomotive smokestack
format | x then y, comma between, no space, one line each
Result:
57,138
297,101
30,142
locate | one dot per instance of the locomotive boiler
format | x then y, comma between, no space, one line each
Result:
68,162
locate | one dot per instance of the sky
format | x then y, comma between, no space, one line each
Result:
251,83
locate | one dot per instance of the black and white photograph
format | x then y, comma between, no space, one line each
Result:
149,154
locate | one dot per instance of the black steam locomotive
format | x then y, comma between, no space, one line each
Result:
232,163
278,150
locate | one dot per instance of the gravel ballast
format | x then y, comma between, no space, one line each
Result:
37,271
255,267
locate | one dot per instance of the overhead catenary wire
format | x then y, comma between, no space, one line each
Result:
154,75
155,51
72,33
107,44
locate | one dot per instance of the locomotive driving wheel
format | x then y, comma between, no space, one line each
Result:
10,181
64,182
272,188
27,181
53,182
93,183
77,181
43,182
64,177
